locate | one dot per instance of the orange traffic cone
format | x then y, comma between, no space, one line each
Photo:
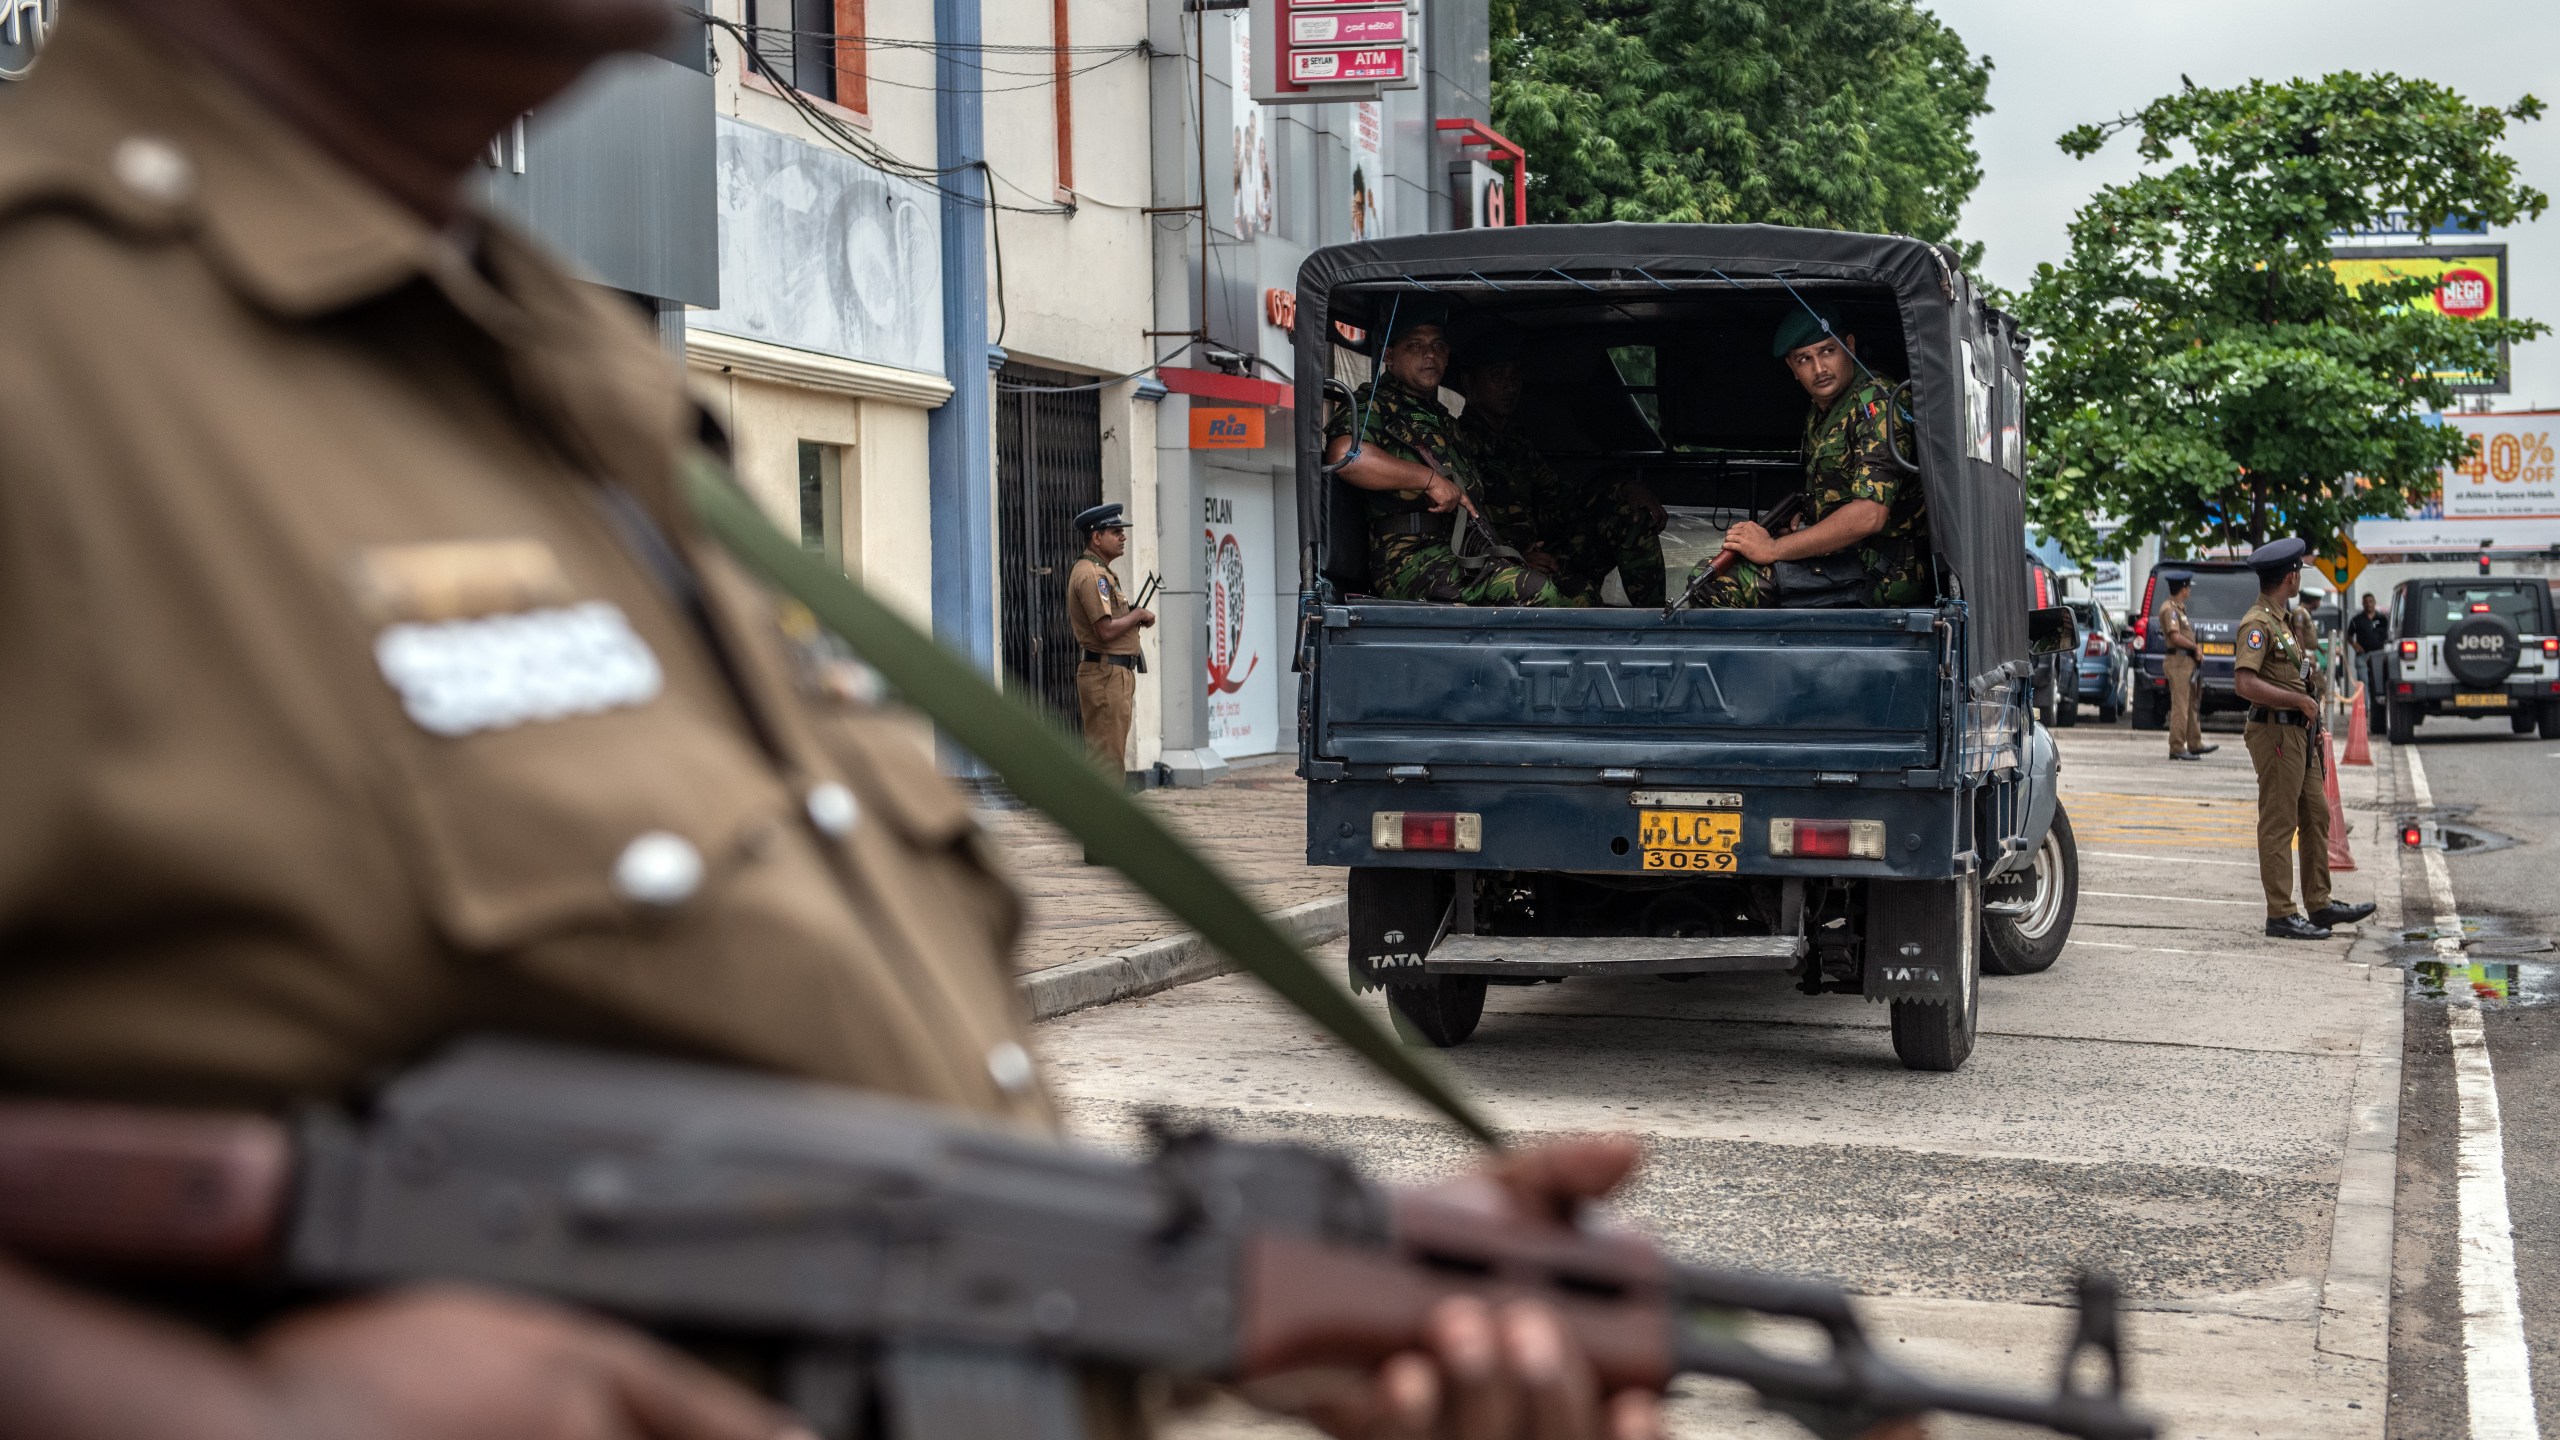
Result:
2359,741
2339,856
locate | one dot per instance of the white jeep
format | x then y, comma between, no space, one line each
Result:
2470,647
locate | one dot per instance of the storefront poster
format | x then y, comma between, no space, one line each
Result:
1368,170
1243,608
1252,142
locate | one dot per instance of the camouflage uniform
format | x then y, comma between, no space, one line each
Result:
1840,449
1589,533
1404,423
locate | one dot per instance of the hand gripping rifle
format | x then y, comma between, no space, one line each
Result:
903,1273
1781,517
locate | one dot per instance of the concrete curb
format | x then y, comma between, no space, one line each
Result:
1163,964
2355,1293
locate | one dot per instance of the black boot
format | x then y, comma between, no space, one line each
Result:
2294,927
2334,913
2205,749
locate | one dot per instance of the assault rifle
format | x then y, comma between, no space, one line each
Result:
1781,518
907,1274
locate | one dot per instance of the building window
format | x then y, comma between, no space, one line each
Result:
816,46
822,501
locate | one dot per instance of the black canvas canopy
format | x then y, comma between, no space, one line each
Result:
1962,356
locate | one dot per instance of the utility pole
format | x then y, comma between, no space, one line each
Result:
961,435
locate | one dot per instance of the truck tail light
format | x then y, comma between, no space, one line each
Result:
2479,607
2551,645
1426,830
1827,839
2408,649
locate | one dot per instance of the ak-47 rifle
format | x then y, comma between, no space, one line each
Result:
907,1273
1781,517
1146,595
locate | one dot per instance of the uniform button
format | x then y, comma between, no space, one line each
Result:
1010,1065
658,869
833,809
153,169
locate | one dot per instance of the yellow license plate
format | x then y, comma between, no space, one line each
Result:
2480,702
2214,647
1701,841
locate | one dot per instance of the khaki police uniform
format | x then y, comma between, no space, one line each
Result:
1107,675
367,682
2186,731
2293,814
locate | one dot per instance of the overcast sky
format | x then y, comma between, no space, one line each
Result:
2058,63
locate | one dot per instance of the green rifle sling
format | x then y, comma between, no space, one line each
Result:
1036,762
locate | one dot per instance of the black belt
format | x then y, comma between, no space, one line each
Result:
1410,522
1125,662
2261,715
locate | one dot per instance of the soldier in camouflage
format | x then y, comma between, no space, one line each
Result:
1855,501
1574,533
1416,469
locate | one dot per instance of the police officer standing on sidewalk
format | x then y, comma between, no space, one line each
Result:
2186,732
2286,745
1107,627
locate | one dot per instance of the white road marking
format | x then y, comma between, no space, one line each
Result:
2182,859
2496,1366
2165,899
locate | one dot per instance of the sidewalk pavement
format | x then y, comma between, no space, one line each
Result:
1091,936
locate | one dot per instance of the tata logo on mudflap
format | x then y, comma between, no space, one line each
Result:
1638,687
1911,974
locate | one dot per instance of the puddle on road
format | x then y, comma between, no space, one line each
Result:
2495,983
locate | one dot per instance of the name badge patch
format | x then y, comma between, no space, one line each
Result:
459,677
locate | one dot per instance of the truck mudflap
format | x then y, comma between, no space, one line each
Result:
1395,917
1921,938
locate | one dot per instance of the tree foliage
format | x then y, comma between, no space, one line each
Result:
1847,114
2201,372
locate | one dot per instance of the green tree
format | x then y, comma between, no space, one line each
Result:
1848,114
2201,372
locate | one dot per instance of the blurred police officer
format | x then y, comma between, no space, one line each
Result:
2178,633
370,684
2285,741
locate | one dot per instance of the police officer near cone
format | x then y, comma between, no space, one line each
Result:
1106,627
314,472
2287,746
2178,633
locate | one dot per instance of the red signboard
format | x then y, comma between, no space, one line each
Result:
1321,67
1349,27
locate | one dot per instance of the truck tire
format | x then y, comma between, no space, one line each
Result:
2150,708
1437,1011
1938,1034
2551,719
2376,720
2401,721
2027,943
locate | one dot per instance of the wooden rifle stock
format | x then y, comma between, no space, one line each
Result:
120,1188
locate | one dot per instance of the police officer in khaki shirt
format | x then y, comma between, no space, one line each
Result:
367,685
2286,745
2178,633
1106,627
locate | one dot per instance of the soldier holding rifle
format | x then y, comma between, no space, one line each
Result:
370,684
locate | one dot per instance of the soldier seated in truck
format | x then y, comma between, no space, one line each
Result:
1577,534
1860,507
1416,472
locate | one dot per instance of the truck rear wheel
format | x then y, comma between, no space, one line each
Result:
2401,720
2032,939
2551,719
1437,1010
1938,1034
2150,708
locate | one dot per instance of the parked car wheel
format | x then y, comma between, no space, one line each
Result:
2401,722
2376,715
2111,704
2048,893
2066,707
1938,1034
1436,1011
2551,719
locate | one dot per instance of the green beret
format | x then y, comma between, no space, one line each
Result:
1802,327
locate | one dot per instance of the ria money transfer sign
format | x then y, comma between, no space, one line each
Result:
2470,284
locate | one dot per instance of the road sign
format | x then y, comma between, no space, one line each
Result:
2344,567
